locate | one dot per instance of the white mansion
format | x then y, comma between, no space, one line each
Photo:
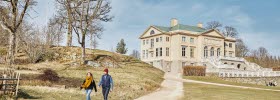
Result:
171,48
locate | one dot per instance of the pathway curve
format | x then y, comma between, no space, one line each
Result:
171,89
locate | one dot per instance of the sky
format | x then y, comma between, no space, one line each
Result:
257,21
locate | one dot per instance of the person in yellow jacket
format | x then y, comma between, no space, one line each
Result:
88,85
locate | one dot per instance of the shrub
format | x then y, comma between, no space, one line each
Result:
49,75
22,61
276,69
194,70
3,52
48,56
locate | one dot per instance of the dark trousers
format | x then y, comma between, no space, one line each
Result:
105,92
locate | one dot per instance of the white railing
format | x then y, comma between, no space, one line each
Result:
232,58
249,73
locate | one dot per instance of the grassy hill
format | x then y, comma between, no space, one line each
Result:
132,78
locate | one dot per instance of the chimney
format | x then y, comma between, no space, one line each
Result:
200,25
174,22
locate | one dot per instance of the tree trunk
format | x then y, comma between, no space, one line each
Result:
83,49
83,54
69,35
12,45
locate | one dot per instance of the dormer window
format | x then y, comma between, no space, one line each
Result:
152,32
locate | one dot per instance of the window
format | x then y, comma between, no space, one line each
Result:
143,55
167,39
152,32
146,53
151,63
160,39
205,52
184,51
156,39
230,45
183,39
212,51
152,54
147,41
238,66
144,42
183,64
156,52
152,43
167,51
218,52
191,40
160,51
230,54
192,52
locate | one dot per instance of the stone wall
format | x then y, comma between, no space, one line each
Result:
254,80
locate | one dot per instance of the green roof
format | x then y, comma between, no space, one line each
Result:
181,27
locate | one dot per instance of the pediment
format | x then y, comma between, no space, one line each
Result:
213,33
150,31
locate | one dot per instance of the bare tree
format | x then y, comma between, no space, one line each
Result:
262,52
241,48
4,36
230,31
32,42
13,13
93,40
213,25
87,14
64,14
135,54
54,32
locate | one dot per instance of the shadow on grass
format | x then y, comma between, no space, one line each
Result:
24,95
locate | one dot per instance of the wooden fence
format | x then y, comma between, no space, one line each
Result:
9,82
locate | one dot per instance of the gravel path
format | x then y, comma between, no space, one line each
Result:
171,89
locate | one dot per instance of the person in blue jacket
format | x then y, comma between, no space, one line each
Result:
106,82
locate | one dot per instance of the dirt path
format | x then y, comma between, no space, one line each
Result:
171,89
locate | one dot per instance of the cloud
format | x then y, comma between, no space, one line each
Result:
262,39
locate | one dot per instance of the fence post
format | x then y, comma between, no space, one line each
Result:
4,83
18,75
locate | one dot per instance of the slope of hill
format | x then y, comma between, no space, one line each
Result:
132,78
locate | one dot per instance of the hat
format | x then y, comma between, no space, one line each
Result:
106,70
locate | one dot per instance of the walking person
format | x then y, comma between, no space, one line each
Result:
106,82
88,85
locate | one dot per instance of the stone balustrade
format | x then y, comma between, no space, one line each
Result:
249,73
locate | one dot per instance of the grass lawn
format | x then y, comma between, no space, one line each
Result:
194,91
130,82
219,80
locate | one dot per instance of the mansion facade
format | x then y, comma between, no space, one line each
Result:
173,47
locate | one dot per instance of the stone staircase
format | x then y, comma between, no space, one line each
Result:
225,70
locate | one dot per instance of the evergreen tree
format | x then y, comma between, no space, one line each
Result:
121,47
